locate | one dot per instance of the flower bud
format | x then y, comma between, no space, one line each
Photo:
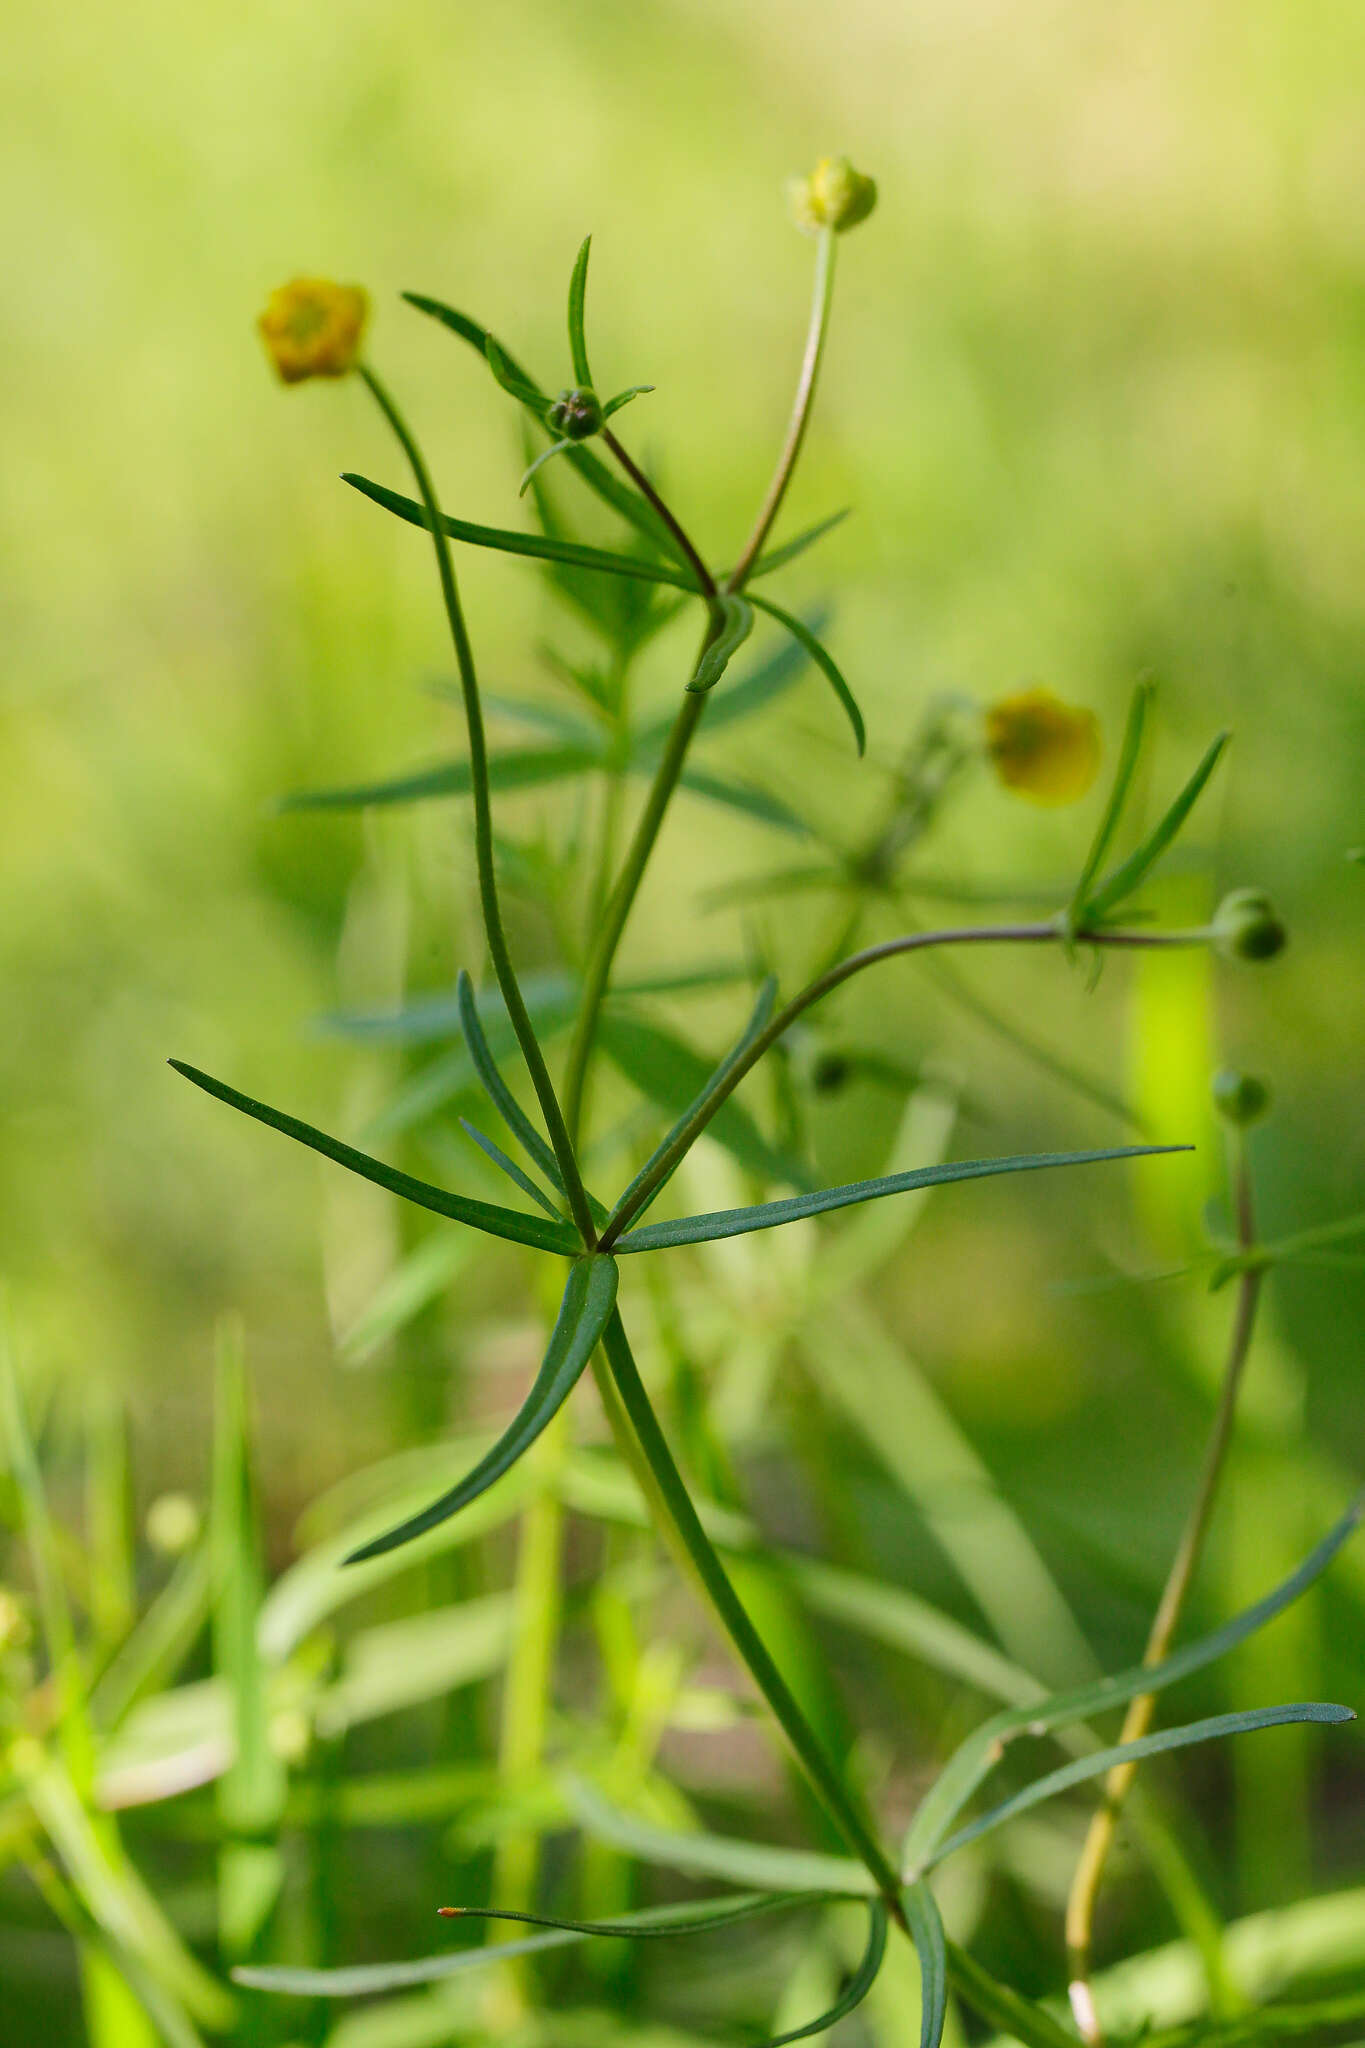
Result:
1042,748
575,414
833,196
172,1524
1240,1098
1245,926
312,328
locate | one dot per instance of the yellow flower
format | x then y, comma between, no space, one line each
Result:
833,196
1042,748
312,328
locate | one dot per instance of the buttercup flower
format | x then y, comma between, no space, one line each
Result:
1042,748
833,196
312,328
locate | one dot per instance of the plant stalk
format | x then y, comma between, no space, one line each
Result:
1085,1886
498,949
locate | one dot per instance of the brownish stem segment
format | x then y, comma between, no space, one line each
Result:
1085,1886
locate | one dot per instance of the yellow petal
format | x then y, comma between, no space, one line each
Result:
312,328
1042,748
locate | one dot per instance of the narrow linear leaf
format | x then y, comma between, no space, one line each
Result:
368,1978
497,1090
1129,753
1139,864
975,1758
487,1216
763,1215
555,448
614,405
857,1988
823,660
508,1166
1321,1712
513,382
613,490
738,625
578,287
551,1001
538,545
653,1924
774,675
758,1866
926,1931
589,1298
762,1011
551,718
745,798
777,558
513,768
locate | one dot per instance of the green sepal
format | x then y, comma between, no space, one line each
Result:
544,1234
589,1298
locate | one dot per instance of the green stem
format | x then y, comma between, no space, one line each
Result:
526,1694
1085,1886
498,948
706,582
1048,932
801,410
677,1503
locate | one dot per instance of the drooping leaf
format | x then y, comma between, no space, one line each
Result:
674,1075
512,768
738,624
499,1158
1321,1712
763,1215
777,558
542,1232
857,1987
926,1931
506,541
977,1756
823,660
589,1297
1129,754
1120,885
578,286
758,1866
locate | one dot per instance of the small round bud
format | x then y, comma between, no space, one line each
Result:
172,1524
1240,1098
1245,926
833,196
312,328
576,414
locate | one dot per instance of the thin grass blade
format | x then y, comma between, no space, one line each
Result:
589,1298
1139,864
764,1215
512,768
745,798
857,1987
578,288
508,1166
1320,1712
757,1866
1129,754
823,660
497,1090
506,541
926,1931
487,1216
975,1758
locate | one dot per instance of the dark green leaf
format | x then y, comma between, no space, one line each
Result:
512,382
656,1923
738,625
578,286
777,558
734,1222
823,660
499,1094
534,544
624,398
1103,1760
1129,754
514,768
857,1987
589,1297
674,1074
1134,871
508,1166
975,1758
497,1222
926,1931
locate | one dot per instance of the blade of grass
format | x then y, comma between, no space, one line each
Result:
857,1987
1129,754
1139,864
514,768
758,1866
508,1166
926,1931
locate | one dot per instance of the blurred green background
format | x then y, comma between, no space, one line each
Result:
1096,390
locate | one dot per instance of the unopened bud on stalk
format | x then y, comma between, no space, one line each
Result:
1240,1098
1245,926
576,414
833,196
